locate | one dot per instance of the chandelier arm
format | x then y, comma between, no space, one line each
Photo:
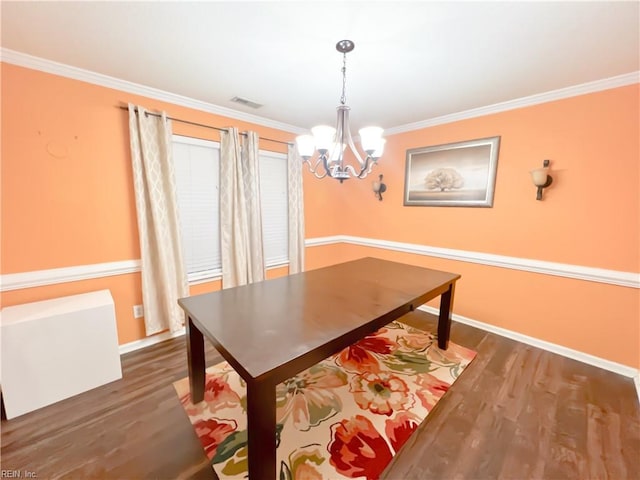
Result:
314,168
356,154
345,132
325,164
352,171
366,171
342,129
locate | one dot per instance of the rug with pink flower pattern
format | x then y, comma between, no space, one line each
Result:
343,418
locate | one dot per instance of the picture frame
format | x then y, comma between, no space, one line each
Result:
460,174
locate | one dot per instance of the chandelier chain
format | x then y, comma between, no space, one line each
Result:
343,98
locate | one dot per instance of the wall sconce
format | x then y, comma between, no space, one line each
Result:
378,187
541,178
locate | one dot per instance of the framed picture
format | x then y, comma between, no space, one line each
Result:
461,174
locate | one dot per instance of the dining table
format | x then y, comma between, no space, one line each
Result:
269,331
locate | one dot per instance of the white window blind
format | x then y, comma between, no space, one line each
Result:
274,202
197,170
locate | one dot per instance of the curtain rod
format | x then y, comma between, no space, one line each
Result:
188,122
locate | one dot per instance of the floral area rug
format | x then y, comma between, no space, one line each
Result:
343,418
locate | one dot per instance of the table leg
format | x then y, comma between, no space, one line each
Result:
261,430
195,359
444,320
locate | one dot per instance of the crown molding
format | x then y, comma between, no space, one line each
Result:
582,89
48,66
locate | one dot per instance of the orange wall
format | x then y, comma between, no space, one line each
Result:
589,216
549,308
67,188
67,200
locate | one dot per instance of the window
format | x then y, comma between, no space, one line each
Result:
197,170
274,200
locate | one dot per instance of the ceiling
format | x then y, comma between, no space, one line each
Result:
413,61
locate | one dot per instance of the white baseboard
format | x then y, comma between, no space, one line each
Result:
503,332
614,367
148,341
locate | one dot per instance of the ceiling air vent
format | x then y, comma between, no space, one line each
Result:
244,101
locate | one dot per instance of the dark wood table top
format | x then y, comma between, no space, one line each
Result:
298,320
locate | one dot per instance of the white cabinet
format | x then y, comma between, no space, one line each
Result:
55,349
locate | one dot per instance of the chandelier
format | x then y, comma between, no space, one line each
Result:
331,143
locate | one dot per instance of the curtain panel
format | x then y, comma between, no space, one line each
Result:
240,214
296,211
164,279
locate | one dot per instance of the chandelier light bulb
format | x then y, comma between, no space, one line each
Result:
324,137
370,138
306,146
379,149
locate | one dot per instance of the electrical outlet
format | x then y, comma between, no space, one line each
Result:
138,311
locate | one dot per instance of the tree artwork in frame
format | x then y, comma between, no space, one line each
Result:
461,174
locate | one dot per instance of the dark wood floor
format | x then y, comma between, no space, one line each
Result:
517,412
